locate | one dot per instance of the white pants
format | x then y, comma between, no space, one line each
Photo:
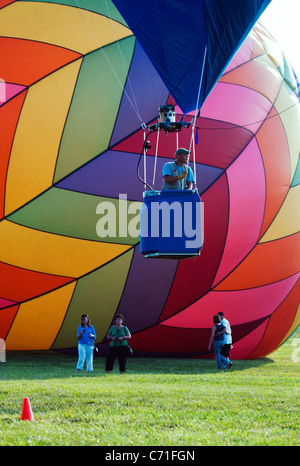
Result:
85,353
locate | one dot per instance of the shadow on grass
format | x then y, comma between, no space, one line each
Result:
48,365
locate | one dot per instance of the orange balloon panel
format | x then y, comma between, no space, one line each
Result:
267,263
25,62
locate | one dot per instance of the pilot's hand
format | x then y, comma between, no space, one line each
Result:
183,175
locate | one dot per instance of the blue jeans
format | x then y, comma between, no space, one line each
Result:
218,345
85,353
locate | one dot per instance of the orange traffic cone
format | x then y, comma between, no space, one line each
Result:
26,414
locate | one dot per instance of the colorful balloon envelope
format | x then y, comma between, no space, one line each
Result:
75,87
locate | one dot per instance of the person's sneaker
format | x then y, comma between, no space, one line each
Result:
228,365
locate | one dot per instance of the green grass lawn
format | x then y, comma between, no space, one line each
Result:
159,402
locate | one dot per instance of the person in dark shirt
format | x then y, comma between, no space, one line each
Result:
118,335
218,337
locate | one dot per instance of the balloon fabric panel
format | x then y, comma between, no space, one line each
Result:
107,9
243,107
62,26
5,303
296,178
89,295
44,111
257,303
7,318
9,115
47,213
178,50
72,140
94,107
141,304
251,75
193,342
200,275
134,104
19,284
259,267
283,225
221,142
281,323
53,254
4,3
45,315
92,178
253,338
276,156
246,207
25,62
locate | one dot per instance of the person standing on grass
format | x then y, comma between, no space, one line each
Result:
225,351
86,336
118,335
217,336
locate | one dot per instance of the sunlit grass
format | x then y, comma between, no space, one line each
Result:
158,402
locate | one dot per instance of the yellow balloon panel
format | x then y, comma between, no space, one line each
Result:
288,107
38,135
53,254
38,321
287,221
294,326
72,28
270,47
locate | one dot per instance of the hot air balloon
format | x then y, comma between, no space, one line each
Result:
78,85
189,44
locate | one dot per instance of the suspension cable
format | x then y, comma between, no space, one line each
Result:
144,149
197,113
101,47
